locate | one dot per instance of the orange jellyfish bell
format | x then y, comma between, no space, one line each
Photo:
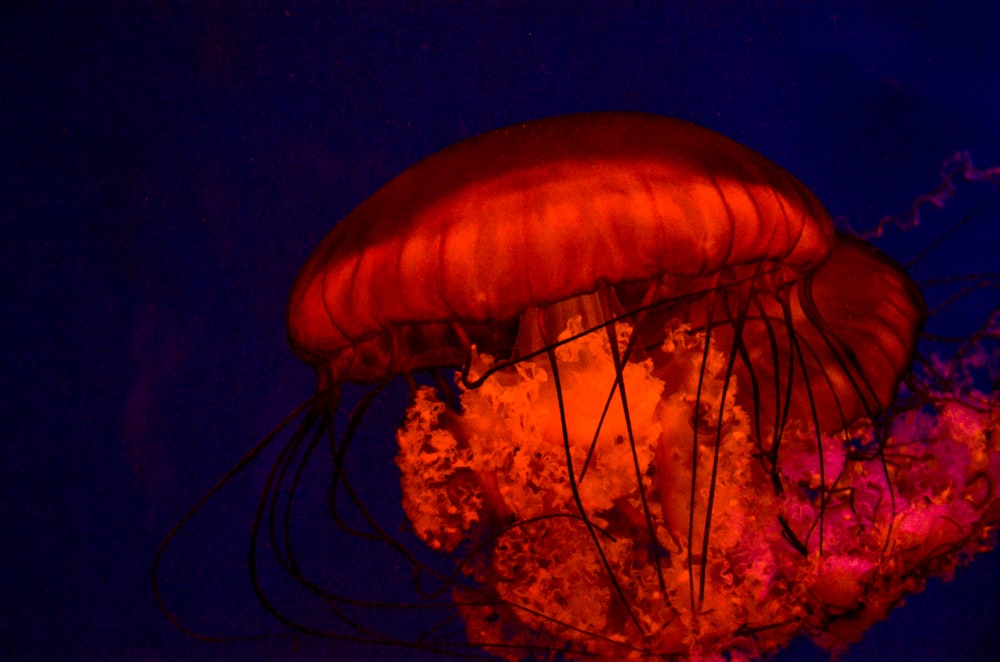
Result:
538,213
673,434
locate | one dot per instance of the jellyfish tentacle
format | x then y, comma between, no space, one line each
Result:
816,429
195,510
710,308
571,473
619,380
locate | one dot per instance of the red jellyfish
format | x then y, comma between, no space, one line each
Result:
673,428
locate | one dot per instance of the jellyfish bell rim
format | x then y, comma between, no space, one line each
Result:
426,249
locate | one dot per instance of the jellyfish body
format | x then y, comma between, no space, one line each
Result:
677,431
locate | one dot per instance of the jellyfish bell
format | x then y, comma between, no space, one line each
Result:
484,230
533,215
665,419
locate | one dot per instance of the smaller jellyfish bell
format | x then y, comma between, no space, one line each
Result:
677,430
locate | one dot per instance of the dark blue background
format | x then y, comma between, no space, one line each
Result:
166,170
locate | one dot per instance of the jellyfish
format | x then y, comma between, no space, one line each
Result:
657,405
